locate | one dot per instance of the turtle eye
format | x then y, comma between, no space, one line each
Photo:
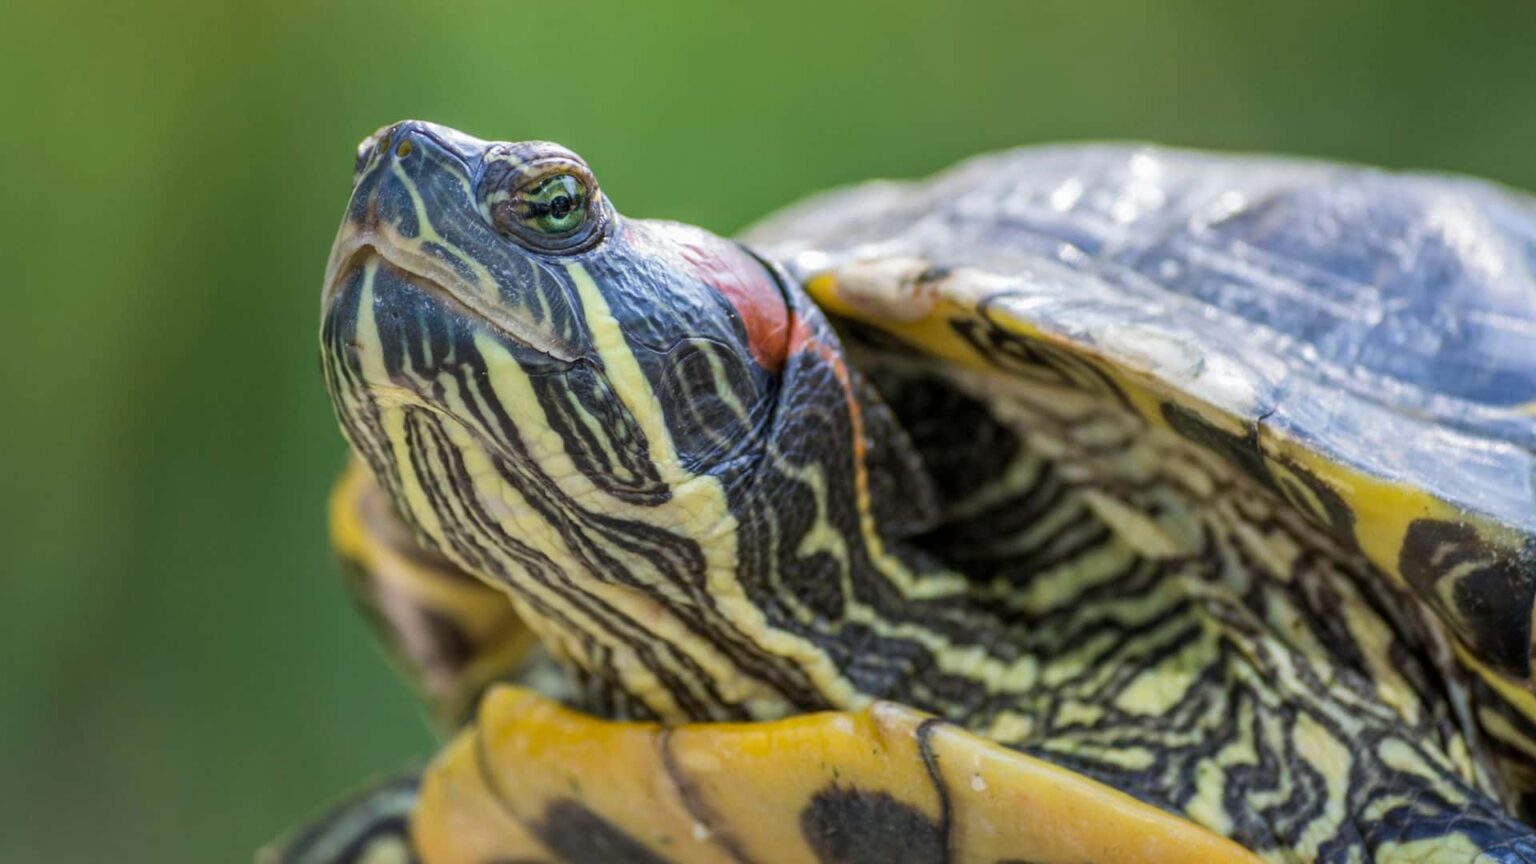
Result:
551,212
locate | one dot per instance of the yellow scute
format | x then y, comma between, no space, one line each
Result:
530,773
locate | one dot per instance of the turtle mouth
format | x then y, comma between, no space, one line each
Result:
440,280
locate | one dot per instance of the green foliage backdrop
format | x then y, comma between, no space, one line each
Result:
182,673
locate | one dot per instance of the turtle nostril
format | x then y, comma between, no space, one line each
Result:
371,148
379,141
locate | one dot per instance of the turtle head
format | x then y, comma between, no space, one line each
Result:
491,286
595,412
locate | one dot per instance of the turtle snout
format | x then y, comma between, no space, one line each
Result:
391,143
407,174
398,142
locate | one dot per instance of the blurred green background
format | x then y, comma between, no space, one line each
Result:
184,675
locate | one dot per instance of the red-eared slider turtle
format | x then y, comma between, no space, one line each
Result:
1094,503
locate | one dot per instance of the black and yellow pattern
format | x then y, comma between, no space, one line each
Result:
1027,503
1214,609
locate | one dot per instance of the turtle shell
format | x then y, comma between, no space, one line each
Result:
1363,342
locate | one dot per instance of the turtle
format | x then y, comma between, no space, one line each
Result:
1080,503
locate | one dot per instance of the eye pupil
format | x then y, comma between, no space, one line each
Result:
556,205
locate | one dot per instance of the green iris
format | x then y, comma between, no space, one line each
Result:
556,206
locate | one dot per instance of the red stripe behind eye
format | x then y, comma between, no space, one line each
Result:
772,332
751,290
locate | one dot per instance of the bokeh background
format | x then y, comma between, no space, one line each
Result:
181,674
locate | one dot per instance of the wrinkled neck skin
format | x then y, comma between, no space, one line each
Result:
734,593
761,558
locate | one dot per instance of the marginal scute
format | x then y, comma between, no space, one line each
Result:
1485,592
848,825
1311,496
899,289
992,333
871,786
459,818
579,836
1242,451
1304,490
